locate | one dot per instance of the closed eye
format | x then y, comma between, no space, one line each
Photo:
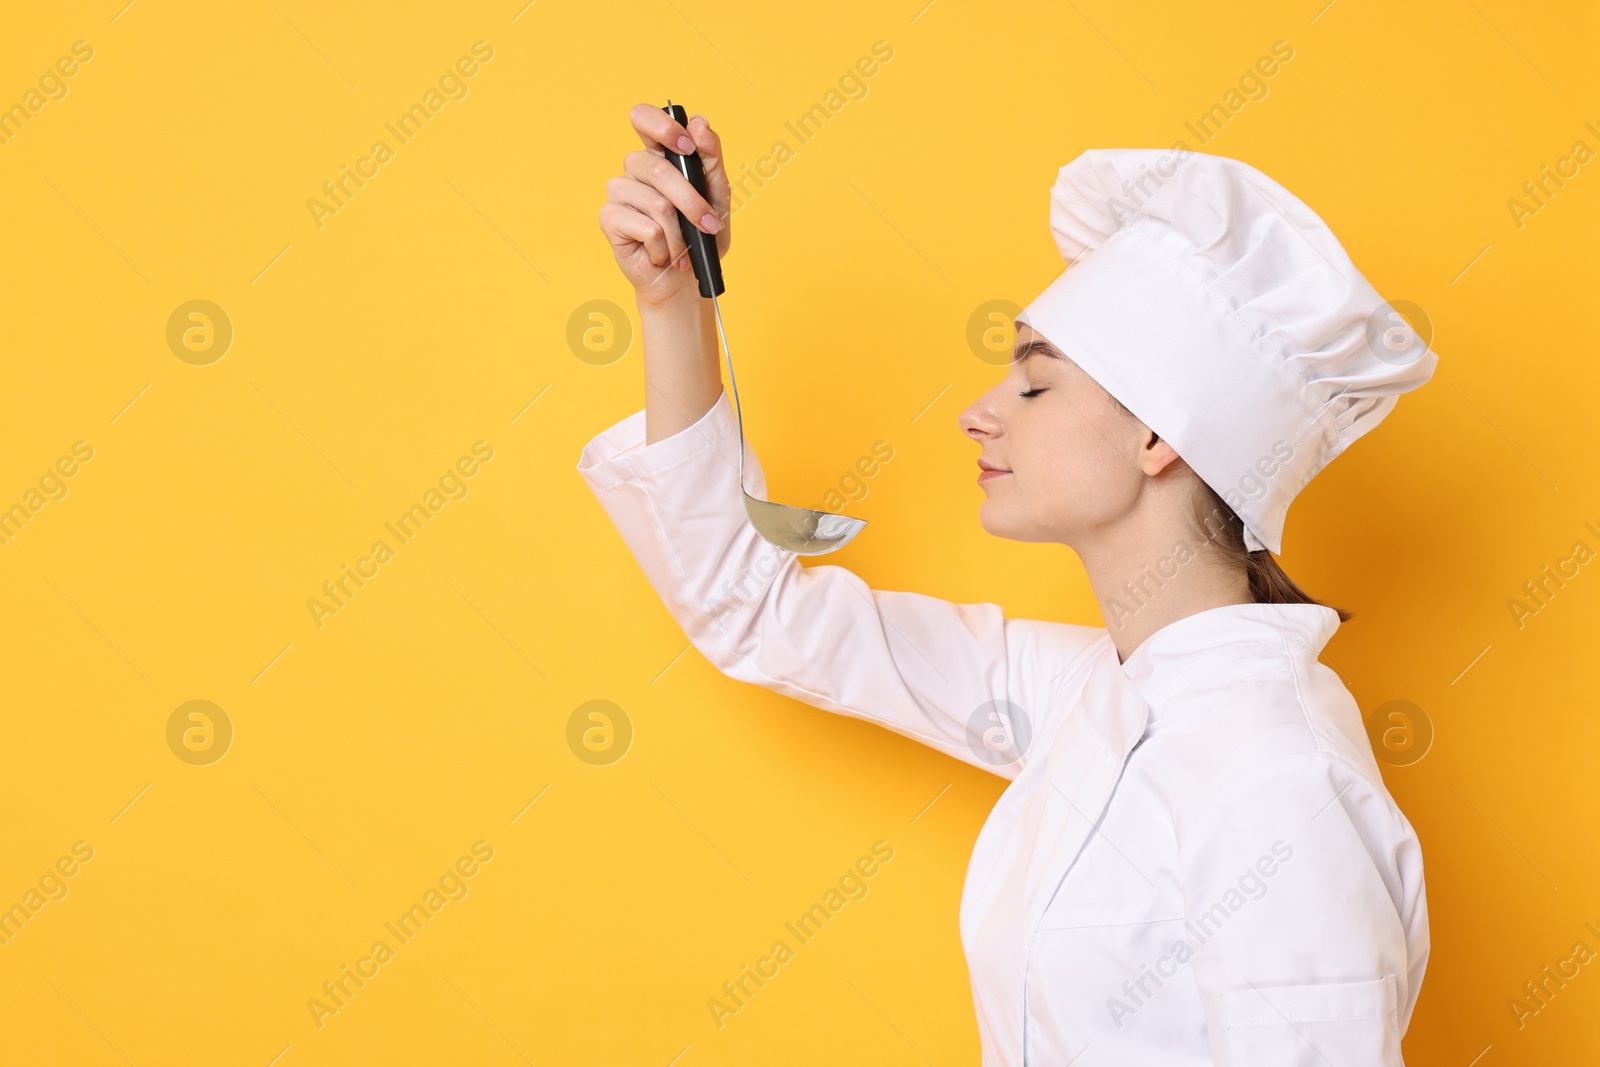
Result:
1030,393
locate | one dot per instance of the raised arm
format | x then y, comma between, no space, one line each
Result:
958,677
961,678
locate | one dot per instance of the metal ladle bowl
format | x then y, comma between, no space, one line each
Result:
803,531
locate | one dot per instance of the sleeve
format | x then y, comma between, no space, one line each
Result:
960,678
1306,916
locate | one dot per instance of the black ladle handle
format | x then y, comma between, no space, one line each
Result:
702,246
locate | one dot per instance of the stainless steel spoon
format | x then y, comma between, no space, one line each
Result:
803,531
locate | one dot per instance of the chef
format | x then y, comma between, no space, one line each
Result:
1196,861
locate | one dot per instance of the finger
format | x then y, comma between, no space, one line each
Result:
628,233
659,130
709,145
650,202
624,227
655,171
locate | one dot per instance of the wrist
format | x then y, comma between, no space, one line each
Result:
686,299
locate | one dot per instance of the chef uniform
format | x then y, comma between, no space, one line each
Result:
1196,861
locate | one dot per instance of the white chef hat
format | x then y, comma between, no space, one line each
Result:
1221,311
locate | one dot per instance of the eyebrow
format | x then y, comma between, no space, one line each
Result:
1037,346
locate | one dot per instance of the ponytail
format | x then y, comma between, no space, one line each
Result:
1223,530
1269,584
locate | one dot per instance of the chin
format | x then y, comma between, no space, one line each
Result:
997,524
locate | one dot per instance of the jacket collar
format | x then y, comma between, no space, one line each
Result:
1181,651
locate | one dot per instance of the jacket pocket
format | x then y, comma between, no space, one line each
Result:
1321,1024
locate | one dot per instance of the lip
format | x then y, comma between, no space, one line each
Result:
988,472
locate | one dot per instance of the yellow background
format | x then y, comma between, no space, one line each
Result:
433,308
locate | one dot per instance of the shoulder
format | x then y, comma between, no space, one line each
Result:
1051,665
1275,728
1283,705
1053,653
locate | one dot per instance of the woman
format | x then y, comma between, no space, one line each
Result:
1196,861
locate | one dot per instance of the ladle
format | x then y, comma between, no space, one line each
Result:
803,531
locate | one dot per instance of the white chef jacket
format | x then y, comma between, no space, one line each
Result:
1196,861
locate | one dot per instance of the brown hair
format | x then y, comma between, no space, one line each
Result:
1221,528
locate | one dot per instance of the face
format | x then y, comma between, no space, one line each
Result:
1068,462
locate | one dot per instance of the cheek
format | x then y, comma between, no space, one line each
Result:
1071,473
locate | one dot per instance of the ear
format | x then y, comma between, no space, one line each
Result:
1156,456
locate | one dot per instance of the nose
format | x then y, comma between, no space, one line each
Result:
979,421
